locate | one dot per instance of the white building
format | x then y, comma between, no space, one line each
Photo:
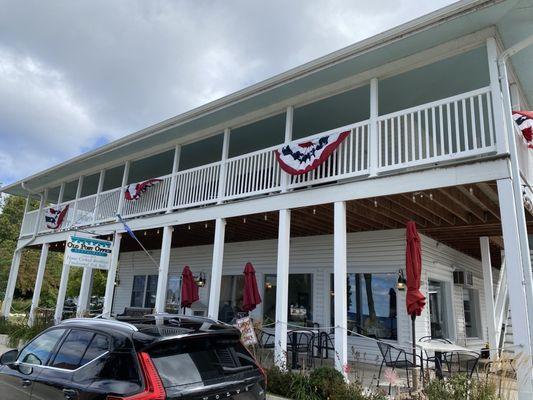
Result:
431,139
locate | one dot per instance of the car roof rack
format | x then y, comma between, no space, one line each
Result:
101,321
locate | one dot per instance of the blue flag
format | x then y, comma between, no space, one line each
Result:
128,229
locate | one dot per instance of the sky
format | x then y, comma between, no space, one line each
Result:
75,75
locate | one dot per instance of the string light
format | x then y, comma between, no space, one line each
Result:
189,227
158,231
375,203
144,233
266,217
205,225
414,198
314,211
431,196
244,220
471,190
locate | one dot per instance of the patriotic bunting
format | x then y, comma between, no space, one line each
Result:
524,120
54,216
135,190
300,158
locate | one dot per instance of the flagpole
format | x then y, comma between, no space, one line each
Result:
130,232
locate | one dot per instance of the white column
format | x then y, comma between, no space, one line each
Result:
11,283
174,179
111,276
216,270
164,262
223,166
496,94
63,283
289,118
517,295
85,292
123,186
78,195
488,286
98,191
38,283
374,131
340,290
282,288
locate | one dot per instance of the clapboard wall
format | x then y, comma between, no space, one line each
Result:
377,251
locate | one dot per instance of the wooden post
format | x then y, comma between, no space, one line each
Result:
282,288
63,283
489,295
216,269
11,283
374,129
85,292
123,187
174,179
339,279
164,262
517,294
289,119
223,167
111,277
38,283
496,94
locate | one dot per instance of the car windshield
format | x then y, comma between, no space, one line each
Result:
201,360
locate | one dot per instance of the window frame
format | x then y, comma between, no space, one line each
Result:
475,314
52,351
144,290
63,339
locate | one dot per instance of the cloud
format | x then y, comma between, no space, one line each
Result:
74,75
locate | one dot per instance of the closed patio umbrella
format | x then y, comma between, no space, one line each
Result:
251,296
415,300
189,288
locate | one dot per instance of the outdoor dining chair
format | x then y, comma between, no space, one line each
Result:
322,345
427,357
265,340
460,362
396,358
300,342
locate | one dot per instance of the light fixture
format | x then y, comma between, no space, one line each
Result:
375,203
414,198
401,283
158,231
144,233
206,225
189,227
268,285
200,280
244,220
314,211
266,217
431,196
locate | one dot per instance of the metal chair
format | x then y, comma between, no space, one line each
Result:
460,363
322,345
266,340
429,358
396,358
300,342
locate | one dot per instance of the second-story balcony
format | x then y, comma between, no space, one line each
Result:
453,128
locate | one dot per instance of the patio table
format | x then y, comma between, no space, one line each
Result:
439,348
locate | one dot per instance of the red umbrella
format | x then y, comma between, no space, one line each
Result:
251,296
189,288
415,300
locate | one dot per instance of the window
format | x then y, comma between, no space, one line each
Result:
471,311
173,304
144,291
98,346
438,312
300,299
72,350
38,352
230,297
372,304
137,293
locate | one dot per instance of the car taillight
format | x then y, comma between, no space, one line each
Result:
153,387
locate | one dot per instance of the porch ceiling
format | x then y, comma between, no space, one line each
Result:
456,216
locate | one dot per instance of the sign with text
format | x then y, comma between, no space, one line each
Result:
88,252
246,326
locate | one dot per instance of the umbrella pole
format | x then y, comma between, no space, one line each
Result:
413,317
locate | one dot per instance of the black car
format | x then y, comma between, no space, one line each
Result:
149,358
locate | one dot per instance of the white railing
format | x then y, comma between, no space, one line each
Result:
252,174
28,223
107,205
350,159
455,127
197,186
448,129
152,201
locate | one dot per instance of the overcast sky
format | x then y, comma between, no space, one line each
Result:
77,74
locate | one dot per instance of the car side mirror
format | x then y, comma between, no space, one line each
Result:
9,357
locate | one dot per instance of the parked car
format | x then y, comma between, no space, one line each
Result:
98,359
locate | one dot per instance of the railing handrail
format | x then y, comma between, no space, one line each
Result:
432,104
260,174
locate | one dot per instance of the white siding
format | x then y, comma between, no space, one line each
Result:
377,251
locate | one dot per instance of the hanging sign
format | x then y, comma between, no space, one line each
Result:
246,327
88,252
300,158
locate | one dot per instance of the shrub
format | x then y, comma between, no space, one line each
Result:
326,382
459,387
279,382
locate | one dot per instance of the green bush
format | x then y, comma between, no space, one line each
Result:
22,332
459,387
324,383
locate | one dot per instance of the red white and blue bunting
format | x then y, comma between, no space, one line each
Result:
135,190
524,120
300,158
54,216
